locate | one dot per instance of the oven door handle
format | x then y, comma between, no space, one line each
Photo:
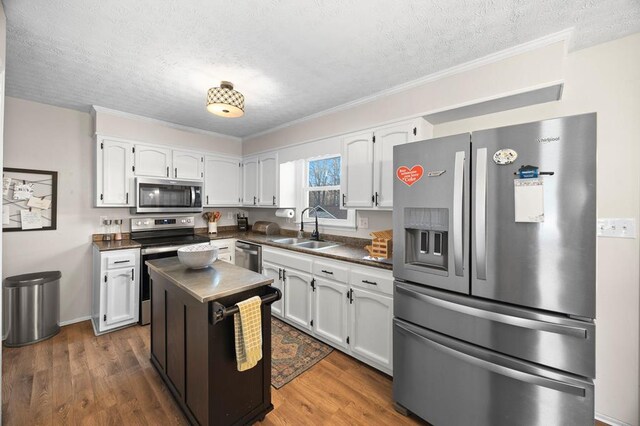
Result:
155,250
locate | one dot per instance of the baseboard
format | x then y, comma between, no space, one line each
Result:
610,421
75,320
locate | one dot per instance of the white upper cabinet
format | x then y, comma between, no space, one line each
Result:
222,181
268,168
188,165
383,173
367,162
114,183
250,181
153,161
357,170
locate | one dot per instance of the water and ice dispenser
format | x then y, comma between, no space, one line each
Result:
426,239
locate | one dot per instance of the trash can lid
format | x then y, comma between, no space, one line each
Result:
36,278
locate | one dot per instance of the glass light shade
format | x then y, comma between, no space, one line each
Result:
224,101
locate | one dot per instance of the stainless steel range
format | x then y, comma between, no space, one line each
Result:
160,237
495,254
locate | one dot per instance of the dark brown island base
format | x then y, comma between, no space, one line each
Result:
193,341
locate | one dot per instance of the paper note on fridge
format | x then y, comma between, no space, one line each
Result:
529,200
39,203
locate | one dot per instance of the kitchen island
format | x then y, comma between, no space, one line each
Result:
193,340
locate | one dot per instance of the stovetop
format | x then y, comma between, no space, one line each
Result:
171,240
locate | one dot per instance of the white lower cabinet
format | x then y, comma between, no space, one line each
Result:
119,289
371,326
115,289
349,307
330,311
297,303
275,273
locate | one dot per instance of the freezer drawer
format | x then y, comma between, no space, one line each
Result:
447,382
546,339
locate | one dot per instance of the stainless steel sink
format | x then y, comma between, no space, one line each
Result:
317,245
289,240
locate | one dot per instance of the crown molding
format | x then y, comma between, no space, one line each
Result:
564,35
98,109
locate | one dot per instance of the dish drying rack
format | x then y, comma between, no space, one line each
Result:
381,244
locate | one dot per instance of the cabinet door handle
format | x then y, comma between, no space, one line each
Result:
122,261
376,198
207,199
327,272
254,200
279,273
127,197
344,203
369,282
274,200
176,172
132,276
167,171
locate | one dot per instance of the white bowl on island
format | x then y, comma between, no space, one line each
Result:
198,256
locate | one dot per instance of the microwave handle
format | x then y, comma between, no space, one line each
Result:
193,196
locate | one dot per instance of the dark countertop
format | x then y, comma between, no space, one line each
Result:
345,252
219,280
116,245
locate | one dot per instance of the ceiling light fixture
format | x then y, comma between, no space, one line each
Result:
224,101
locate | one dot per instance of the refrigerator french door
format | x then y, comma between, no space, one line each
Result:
495,247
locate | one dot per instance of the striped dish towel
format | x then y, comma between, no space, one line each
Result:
248,329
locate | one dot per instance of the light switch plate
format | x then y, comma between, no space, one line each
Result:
363,222
616,227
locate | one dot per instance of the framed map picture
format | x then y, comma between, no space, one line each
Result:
29,200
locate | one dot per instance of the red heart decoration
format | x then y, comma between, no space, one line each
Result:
410,175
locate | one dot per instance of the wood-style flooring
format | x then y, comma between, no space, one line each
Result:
78,378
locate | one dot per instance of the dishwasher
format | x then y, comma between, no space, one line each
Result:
249,256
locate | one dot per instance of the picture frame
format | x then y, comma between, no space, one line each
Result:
32,195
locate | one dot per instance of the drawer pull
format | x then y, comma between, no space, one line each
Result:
122,261
369,282
327,272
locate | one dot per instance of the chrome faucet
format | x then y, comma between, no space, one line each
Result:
315,235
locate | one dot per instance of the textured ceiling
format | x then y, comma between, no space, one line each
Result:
290,58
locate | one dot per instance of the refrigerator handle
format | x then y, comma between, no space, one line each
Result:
510,320
458,213
480,224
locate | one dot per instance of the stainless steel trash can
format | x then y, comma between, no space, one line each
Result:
31,307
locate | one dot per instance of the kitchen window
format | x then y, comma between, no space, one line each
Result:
321,189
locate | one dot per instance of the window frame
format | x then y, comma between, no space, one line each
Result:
350,221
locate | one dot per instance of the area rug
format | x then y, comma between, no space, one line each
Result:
292,353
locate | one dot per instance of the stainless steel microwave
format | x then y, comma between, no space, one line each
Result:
168,196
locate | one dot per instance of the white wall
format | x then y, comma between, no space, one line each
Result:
534,68
143,129
604,79
51,138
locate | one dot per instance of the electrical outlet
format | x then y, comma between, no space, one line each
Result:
230,215
363,222
616,228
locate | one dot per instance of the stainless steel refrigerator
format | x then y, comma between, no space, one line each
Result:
494,262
